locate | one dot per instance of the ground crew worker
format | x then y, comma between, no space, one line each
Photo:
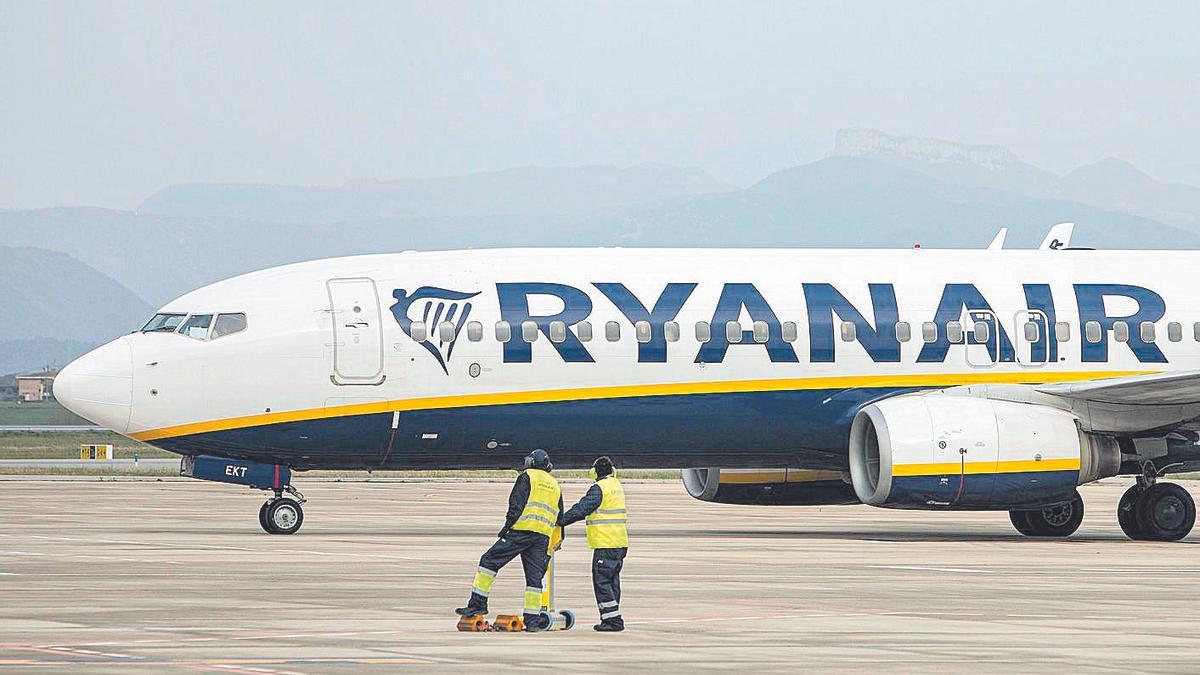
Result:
533,510
603,507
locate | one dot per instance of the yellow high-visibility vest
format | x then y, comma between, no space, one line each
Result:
541,509
606,525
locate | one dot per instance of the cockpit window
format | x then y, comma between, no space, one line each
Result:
163,323
196,326
228,324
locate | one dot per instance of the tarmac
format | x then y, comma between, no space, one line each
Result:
147,576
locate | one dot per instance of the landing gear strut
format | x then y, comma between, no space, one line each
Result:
1060,520
282,515
1154,511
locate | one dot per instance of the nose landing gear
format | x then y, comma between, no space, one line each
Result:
1154,511
282,515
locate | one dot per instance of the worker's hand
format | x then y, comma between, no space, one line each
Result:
557,546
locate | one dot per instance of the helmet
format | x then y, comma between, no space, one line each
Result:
601,468
539,459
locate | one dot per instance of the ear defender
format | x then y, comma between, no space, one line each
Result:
592,473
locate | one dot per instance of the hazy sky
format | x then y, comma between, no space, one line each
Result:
103,103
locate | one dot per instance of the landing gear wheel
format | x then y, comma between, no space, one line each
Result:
262,518
1166,512
1020,520
1127,510
284,516
1060,520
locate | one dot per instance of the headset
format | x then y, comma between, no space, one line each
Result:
539,459
594,473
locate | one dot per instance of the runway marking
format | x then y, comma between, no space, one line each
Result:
925,568
81,556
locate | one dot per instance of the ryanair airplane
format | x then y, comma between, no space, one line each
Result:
920,379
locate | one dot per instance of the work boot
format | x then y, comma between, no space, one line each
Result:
609,627
535,623
472,610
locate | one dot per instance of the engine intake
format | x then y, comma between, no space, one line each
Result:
783,487
931,451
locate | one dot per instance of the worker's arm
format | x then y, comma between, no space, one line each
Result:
516,503
584,507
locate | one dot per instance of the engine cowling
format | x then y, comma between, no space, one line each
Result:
939,451
781,487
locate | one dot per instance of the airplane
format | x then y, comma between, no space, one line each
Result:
919,378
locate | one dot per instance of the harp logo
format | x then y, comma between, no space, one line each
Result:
433,306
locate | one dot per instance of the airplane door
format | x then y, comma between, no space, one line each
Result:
357,332
1032,338
982,338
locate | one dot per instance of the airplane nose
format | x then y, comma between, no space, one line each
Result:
98,386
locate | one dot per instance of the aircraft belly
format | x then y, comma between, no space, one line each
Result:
801,429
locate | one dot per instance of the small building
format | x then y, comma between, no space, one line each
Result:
35,387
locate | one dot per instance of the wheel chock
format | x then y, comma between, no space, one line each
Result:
509,623
476,623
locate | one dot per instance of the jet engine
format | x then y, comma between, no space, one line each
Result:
940,451
782,487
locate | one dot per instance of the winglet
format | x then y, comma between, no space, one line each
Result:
998,240
1058,237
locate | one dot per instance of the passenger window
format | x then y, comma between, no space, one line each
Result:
954,332
612,331
1120,331
903,331
849,331
167,323
1092,332
1175,331
196,326
446,331
1062,331
529,331
1196,331
671,331
704,331
981,333
503,331
733,332
789,331
416,330
641,331
929,331
474,331
1033,332
762,332
558,332
583,330
228,324
1146,331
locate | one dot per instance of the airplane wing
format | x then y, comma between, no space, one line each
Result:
1181,387
998,240
1058,237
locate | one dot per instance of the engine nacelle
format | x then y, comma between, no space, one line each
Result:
938,451
781,487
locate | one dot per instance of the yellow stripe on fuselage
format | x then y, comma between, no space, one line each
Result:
628,391
957,468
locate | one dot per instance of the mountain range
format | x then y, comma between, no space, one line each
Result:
872,190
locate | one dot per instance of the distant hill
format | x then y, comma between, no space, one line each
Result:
862,202
1118,185
1111,184
874,190
46,294
533,191
30,354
